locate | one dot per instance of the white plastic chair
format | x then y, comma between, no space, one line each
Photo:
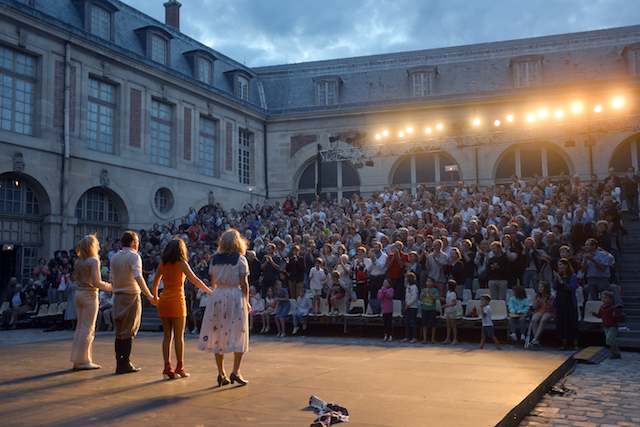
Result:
498,310
580,297
468,314
354,304
397,308
466,296
595,307
292,304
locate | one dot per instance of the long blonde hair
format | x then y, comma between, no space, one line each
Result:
88,247
232,241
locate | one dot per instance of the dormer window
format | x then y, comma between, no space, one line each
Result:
98,17
527,70
422,80
241,83
632,53
201,62
327,90
156,43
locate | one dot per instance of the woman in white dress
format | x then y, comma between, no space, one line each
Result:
225,326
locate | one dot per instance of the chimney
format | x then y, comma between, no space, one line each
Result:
172,13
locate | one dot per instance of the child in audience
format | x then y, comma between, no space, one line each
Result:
543,311
610,321
411,306
428,298
487,324
303,305
518,311
450,312
336,292
270,307
317,278
385,296
257,306
282,308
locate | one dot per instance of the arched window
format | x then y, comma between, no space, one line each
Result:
527,160
627,154
97,213
429,169
20,227
338,178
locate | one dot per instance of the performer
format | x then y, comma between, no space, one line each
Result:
127,281
87,269
225,327
172,307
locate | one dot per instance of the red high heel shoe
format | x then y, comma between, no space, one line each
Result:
180,370
168,373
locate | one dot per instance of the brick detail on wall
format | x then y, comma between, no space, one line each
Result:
187,133
58,100
299,142
229,147
135,124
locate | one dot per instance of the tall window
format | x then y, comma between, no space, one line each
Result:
429,169
100,22
327,90
160,133
338,178
158,49
626,154
17,90
243,88
422,79
526,160
207,146
244,157
96,213
632,53
527,70
100,116
204,72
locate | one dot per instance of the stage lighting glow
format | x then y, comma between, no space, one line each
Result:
509,118
400,134
476,122
531,117
576,108
428,130
496,123
543,113
617,103
378,136
409,129
558,114
439,126
385,133
598,108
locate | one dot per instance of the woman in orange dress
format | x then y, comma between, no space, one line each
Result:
172,307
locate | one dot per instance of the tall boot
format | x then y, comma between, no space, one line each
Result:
118,348
126,367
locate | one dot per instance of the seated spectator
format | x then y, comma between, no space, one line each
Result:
518,312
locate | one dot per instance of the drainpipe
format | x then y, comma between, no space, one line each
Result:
64,184
266,171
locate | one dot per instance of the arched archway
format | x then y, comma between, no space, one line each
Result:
429,169
23,206
526,160
626,154
99,211
341,179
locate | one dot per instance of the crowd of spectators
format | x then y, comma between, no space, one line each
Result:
502,235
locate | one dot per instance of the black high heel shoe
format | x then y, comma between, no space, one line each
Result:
222,380
239,379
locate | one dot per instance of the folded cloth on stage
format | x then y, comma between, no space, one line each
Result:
328,413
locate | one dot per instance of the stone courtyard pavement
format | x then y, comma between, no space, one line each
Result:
606,395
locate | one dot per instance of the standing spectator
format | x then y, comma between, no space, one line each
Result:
270,267
377,268
295,268
497,272
395,269
565,283
630,187
435,265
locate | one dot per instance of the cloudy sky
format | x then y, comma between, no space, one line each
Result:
269,32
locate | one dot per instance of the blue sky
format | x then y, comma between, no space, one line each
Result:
270,32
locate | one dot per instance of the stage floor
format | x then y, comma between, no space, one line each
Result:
381,384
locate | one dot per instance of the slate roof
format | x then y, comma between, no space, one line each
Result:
473,71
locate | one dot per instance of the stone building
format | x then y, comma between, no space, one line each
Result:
112,120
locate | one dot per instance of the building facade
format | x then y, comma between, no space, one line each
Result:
112,120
